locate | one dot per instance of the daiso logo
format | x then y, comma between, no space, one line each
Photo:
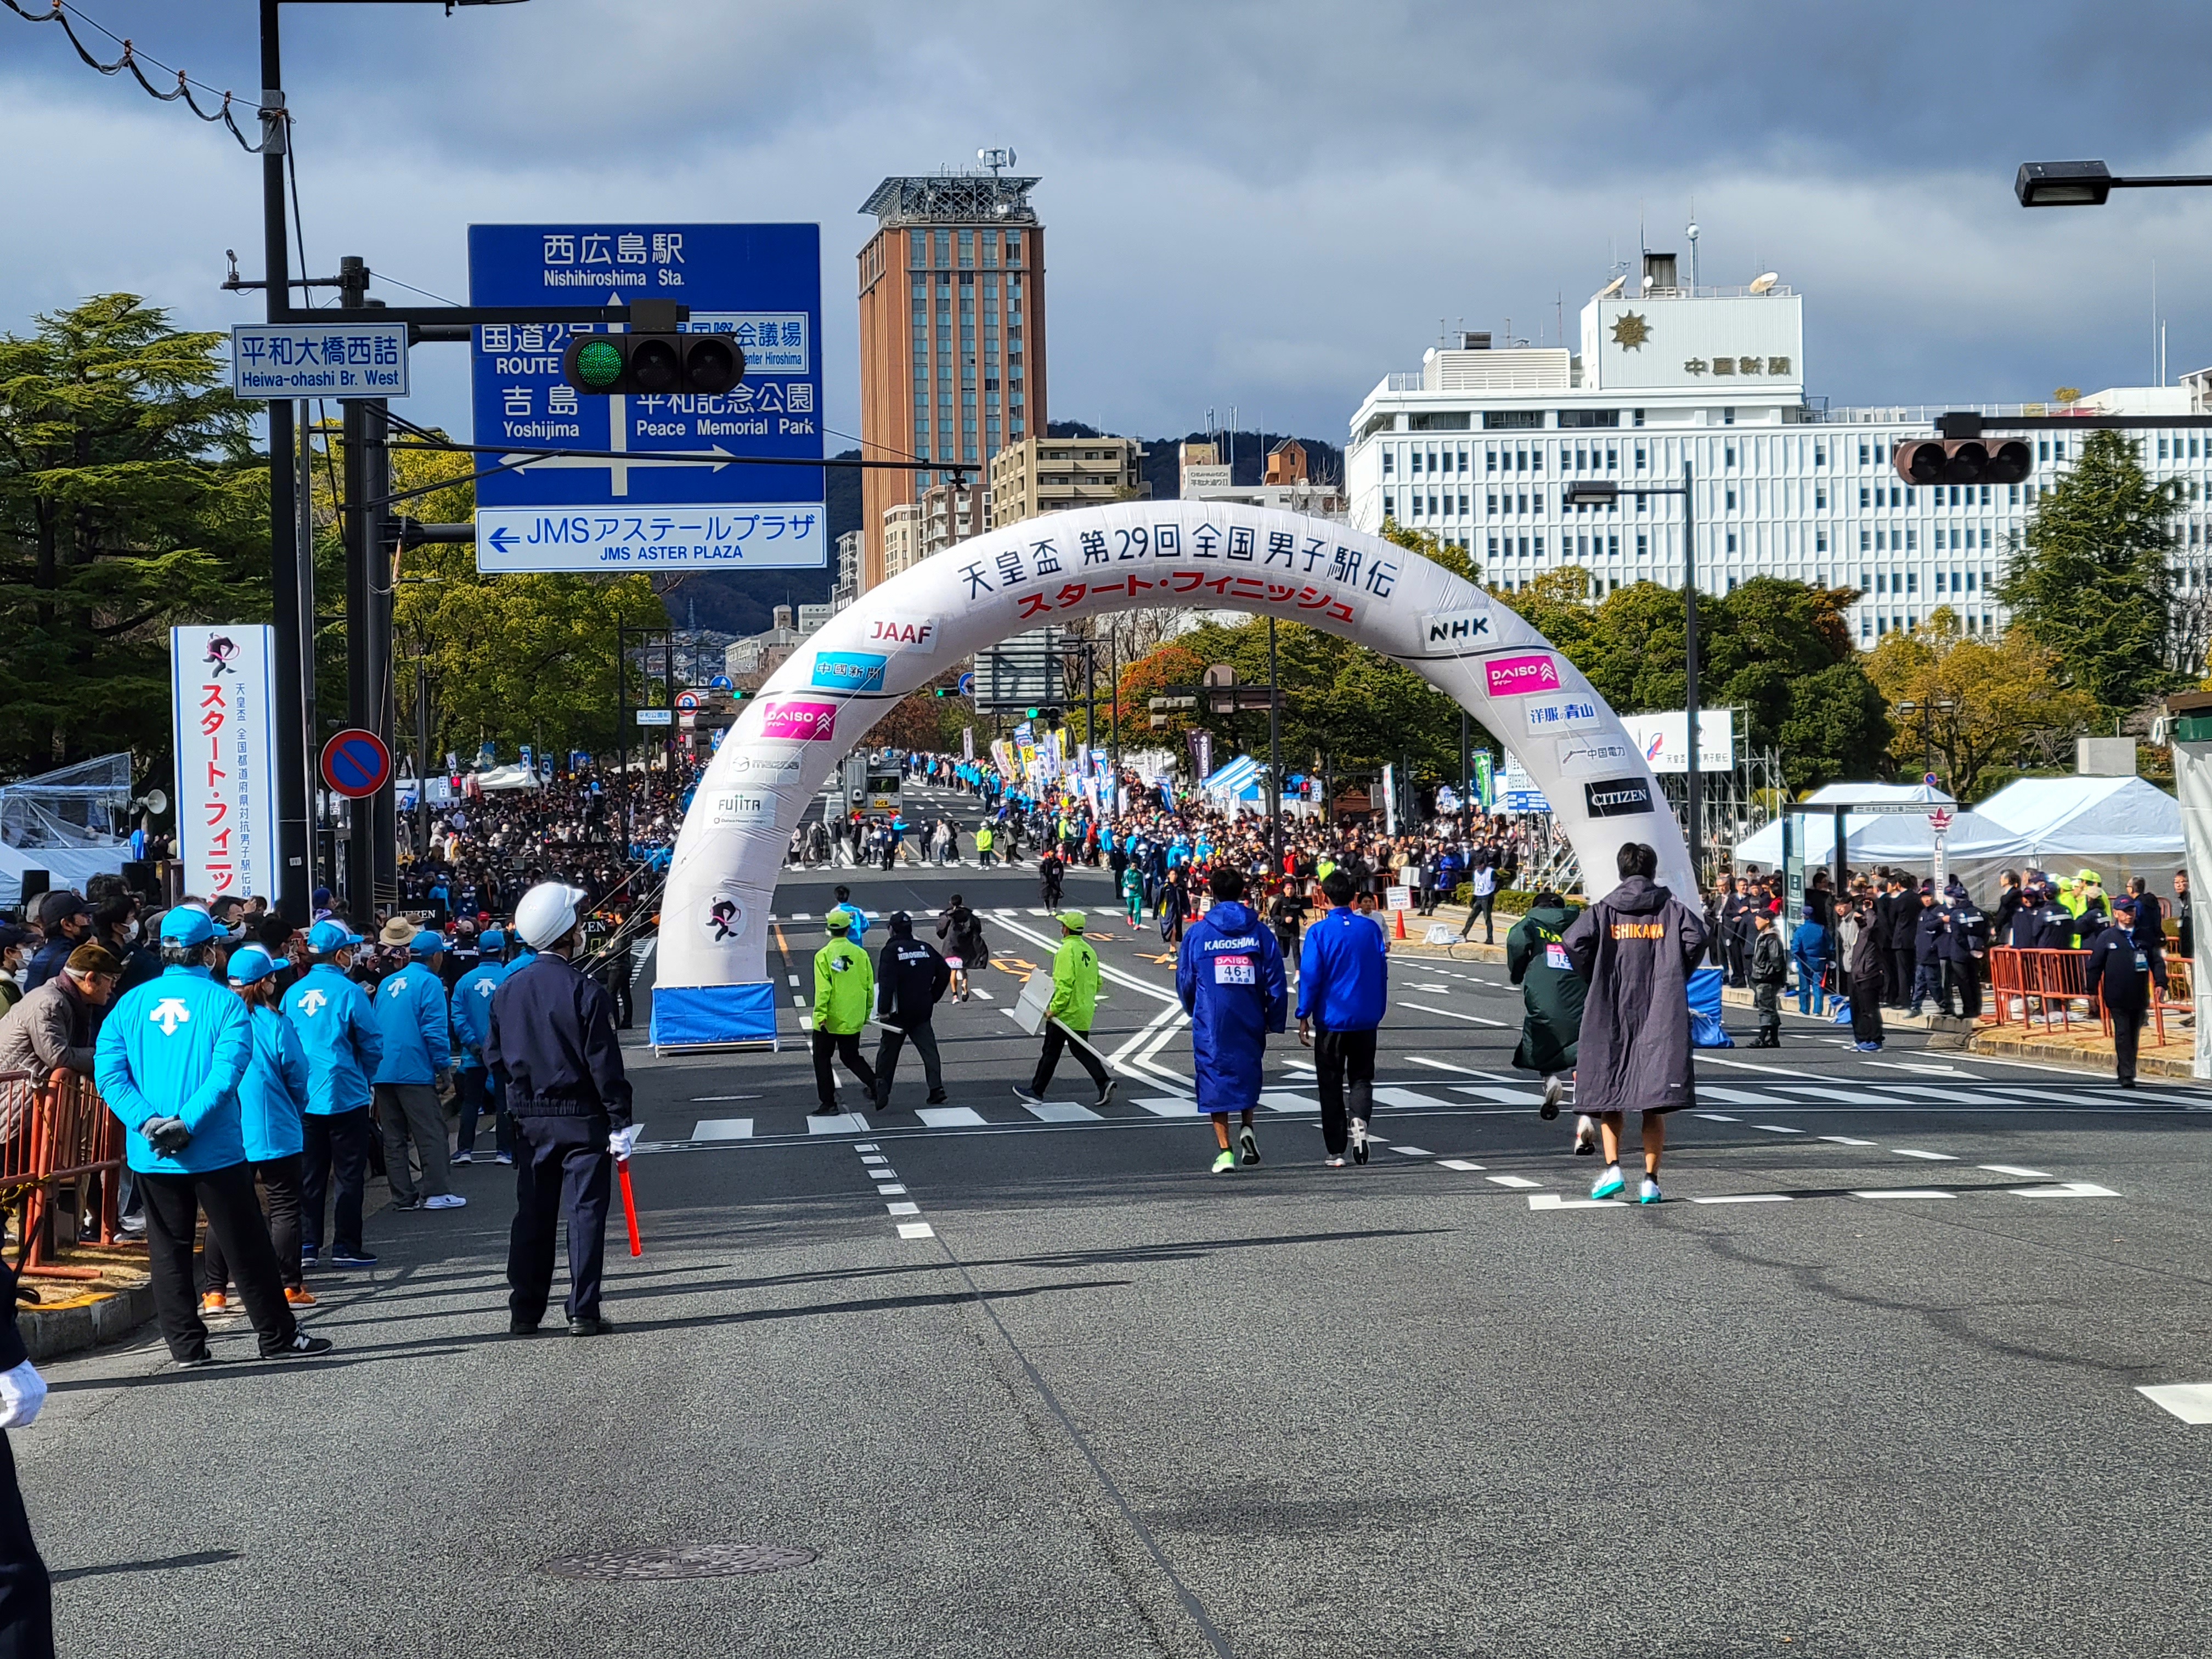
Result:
1517,676
799,721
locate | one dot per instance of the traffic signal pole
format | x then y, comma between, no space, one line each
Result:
294,821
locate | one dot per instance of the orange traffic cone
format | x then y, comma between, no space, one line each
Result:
1401,923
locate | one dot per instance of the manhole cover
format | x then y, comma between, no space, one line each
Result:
680,1561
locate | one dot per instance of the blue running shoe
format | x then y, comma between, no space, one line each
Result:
1608,1182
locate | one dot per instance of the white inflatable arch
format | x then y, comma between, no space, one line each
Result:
711,965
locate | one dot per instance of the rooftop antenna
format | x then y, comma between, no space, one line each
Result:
1692,233
998,158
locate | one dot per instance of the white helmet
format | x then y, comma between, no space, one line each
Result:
548,914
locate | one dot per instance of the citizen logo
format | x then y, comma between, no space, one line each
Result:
1617,797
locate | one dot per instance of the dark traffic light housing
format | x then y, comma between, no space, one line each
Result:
652,364
1963,460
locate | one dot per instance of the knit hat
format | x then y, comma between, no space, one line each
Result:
93,959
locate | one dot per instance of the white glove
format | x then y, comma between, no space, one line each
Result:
622,1140
22,1392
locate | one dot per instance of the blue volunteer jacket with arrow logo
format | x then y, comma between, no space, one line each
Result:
176,1046
338,1030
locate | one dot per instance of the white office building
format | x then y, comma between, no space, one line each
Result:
1479,443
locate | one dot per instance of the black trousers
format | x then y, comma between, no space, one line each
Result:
1056,1040
173,1203
1901,968
338,1146
1965,979
924,1038
1866,1009
27,1599
846,1045
280,1183
561,1170
1340,1057
2127,1035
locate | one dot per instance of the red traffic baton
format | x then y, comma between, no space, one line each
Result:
629,1205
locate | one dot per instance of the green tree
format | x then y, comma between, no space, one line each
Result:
2009,702
509,659
131,500
2088,580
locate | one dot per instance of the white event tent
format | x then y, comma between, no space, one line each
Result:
2118,827
1976,848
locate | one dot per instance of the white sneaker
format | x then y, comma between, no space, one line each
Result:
1648,1192
1555,1090
445,1201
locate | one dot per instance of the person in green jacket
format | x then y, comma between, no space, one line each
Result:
1536,961
1133,893
1067,1019
844,991
984,837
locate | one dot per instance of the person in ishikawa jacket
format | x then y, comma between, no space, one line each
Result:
1637,947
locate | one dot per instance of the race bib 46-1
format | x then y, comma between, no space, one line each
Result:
1233,970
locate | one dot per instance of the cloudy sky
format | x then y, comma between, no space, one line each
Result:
1265,205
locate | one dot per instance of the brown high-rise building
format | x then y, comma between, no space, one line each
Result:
951,334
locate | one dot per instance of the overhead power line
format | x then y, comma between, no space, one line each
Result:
131,59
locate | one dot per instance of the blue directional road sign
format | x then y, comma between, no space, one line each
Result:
760,284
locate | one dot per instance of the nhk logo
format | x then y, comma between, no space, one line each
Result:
1450,631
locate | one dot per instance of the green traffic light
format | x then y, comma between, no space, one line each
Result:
599,365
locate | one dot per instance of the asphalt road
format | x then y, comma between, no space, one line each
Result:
1040,1384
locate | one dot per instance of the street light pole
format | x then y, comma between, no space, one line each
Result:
1693,798
1274,762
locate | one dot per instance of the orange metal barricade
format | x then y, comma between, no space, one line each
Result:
51,1133
2043,984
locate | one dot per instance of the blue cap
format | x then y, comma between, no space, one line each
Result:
491,939
325,937
427,942
249,965
187,926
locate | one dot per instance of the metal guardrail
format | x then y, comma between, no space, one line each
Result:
2042,987
51,1133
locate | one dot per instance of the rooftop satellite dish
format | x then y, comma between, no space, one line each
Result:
1612,287
1765,283
1650,282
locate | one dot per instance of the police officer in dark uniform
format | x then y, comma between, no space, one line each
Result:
27,1609
552,1043
910,979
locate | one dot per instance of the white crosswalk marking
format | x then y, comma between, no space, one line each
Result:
723,1128
950,1117
836,1123
1062,1111
1503,1096
1511,1181
1285,1100
1164,1107
1411,1099
1740,1096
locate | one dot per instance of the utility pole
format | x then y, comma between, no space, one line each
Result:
1274,762
293,882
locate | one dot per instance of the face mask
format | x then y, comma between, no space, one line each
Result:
130,931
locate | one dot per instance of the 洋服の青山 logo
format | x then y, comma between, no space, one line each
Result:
903,633
1517,676
799,721
848,671
1452,630
1617,797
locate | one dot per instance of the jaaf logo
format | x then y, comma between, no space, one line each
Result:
905,634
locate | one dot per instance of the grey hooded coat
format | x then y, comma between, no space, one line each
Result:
1636,948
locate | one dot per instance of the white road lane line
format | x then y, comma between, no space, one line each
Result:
2190,1401
2015,1170
1743,1097
916,1230
1503,1097
1411,1099
723,1128
950,1117
718,1100
1778,1128
1554,1201
2064,1189
1168,1106
889,1187
1446,1066
1285,1100
903,1208
1459,1163
1413,1151
1933,1157
1904,1192
1716,1117
1061,1111
1846,1140
836,1123
1744,1198
1472,1020
1511,1181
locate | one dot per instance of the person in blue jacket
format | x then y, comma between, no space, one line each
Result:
480,1092
272,1102
337,1029
168,1062
1229,977
1808,946
1344,976
411,1012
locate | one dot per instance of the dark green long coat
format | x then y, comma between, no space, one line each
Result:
1536,961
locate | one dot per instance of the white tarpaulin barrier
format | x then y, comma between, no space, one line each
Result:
1095,561
2193,780
2118,827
